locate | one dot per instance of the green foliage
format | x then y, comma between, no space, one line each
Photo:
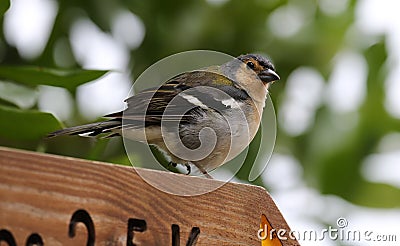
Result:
18,95
26,124
33,76
4,5
30,124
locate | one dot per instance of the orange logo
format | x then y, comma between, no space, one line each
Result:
267,234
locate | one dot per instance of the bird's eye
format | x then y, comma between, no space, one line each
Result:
250,65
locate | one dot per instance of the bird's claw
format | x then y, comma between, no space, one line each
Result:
172,164
189,169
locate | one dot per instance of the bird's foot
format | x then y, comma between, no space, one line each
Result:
173,164
188,168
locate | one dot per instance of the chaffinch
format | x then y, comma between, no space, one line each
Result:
204,117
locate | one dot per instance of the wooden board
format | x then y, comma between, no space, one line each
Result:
54,200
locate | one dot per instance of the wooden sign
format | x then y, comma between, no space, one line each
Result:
54,200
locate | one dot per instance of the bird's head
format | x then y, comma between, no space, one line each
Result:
253,73
261,66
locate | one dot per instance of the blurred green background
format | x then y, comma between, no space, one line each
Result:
64,63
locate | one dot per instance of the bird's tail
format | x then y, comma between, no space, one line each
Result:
92,129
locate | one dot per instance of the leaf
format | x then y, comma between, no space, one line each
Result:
21,96
67,78
20,124
377,195
4,6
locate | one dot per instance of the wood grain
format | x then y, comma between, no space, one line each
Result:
39,193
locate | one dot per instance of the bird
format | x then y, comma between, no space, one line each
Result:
203,117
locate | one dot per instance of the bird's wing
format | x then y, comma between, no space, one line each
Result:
163,103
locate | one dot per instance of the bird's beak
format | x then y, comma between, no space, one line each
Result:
268,76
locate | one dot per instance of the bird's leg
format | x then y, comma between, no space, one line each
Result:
203,171
206,174
188,167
